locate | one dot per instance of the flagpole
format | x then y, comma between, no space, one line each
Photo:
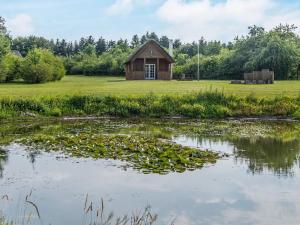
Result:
198,71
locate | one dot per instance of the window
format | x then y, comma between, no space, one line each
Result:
163,65
138,65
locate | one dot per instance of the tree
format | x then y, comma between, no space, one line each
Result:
76,48
152,36
164,41
62,48
285,31
177,43
4,41
40,66
90,40
70,49
212,48
89,50
143,39
256,31
26,44
3,29
135,42
10,67
111,44
278,55
4,46
101,46
82,44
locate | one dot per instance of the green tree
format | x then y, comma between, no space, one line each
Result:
26,44
89,50
4,46
135,42
101,46
3,29
278,55
164,41
40,66
4,41
10,67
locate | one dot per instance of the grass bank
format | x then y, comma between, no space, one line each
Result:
108,85
210,104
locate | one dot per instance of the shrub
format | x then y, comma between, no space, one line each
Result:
41,66
10,68
194,111
297,114
4,45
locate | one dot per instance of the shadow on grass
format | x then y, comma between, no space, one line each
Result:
116,81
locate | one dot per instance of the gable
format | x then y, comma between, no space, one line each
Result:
150,49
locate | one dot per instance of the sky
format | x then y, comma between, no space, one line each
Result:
188,20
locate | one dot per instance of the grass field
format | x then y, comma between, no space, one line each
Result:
83,85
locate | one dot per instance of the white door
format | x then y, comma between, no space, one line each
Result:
150,71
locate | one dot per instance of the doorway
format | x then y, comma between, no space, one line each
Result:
150,72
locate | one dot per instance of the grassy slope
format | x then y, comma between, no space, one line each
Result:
117,85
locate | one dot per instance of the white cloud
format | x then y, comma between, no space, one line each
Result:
124,7
20,25
190,20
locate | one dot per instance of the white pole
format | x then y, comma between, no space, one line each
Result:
198,71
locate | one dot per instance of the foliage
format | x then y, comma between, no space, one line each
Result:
88,63
195,105
26,44
277,49
41,66
10,67
4,46
148,155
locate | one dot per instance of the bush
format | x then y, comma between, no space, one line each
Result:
4,45
41,66
193,111
10,68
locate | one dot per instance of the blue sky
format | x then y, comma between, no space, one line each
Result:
113,19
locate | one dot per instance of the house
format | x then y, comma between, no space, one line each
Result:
149,62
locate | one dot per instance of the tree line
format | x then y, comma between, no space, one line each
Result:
39,65
277,49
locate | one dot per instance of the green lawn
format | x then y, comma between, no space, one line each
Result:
119,86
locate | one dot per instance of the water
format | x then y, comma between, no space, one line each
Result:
257,184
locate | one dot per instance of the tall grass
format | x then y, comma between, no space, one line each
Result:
94,213
209,104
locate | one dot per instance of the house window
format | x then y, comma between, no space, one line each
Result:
138,65
163,65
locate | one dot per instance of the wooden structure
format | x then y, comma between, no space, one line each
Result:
259,77
149,62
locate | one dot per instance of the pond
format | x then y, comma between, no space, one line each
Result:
188,171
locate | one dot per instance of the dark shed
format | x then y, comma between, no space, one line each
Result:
149,62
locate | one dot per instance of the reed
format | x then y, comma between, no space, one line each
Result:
93,214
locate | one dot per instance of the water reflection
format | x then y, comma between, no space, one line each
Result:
263,146
270,154
244,189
